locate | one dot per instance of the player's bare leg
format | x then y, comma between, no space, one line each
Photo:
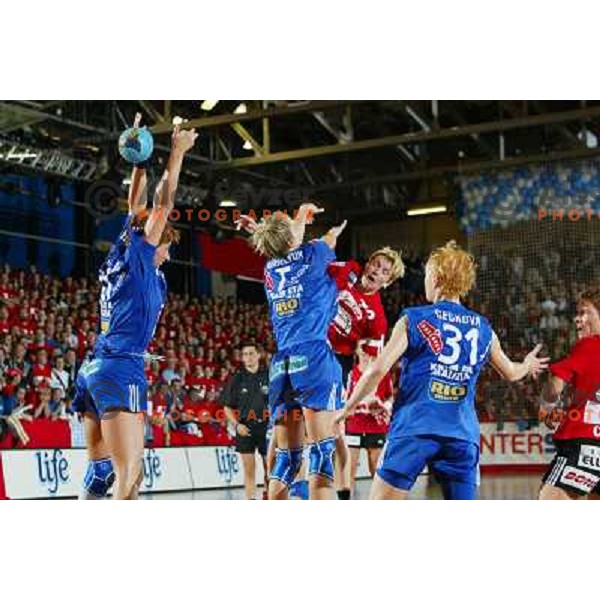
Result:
354,456
266,474
289,434
249,466
342,468
550,492
373,455
96,448
123,433
319,427
380,490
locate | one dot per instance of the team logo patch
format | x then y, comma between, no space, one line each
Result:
447,392
297,364
432,336
589,457
579,479
285,308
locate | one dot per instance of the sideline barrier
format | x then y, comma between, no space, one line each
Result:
58,472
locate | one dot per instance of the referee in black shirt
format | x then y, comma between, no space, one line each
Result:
246,403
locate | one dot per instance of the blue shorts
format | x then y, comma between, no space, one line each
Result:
305,376
105,384
451,460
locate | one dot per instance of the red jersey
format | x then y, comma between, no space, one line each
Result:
581,369
360,317
41,373
367,417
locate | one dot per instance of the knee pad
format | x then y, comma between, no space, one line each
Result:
287,464
99,477
321,458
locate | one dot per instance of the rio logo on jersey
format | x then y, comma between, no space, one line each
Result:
227,463
152,468
447,392
53,469
285,308
432,336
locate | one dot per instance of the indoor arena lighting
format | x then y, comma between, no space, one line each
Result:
227,203
240,109
426,210
247,145
208,104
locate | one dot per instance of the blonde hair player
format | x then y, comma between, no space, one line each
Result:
360,319
305,383
111,385
443,347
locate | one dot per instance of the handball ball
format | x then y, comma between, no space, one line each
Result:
136,145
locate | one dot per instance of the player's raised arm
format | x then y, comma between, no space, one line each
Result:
514,371
305,217
330,238
390,354
138,192
165,193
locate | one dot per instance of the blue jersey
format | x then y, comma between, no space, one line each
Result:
447,347
133,293
301,294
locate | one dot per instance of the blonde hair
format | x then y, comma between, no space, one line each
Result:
394,257
455,269
273,236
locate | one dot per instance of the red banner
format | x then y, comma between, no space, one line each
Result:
234,256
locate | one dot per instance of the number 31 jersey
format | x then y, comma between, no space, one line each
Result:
448,345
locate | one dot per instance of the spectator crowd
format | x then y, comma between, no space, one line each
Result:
48,326
526,287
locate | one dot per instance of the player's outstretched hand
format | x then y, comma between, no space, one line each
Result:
307,211
535,363
247,223
337,230
183,140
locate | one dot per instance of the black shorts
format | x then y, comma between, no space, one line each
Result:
257,440
576,467
347,363
366,440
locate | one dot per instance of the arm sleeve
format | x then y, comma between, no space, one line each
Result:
344,273
565,368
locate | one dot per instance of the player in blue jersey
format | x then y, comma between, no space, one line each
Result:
305,384
111,385
443,348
